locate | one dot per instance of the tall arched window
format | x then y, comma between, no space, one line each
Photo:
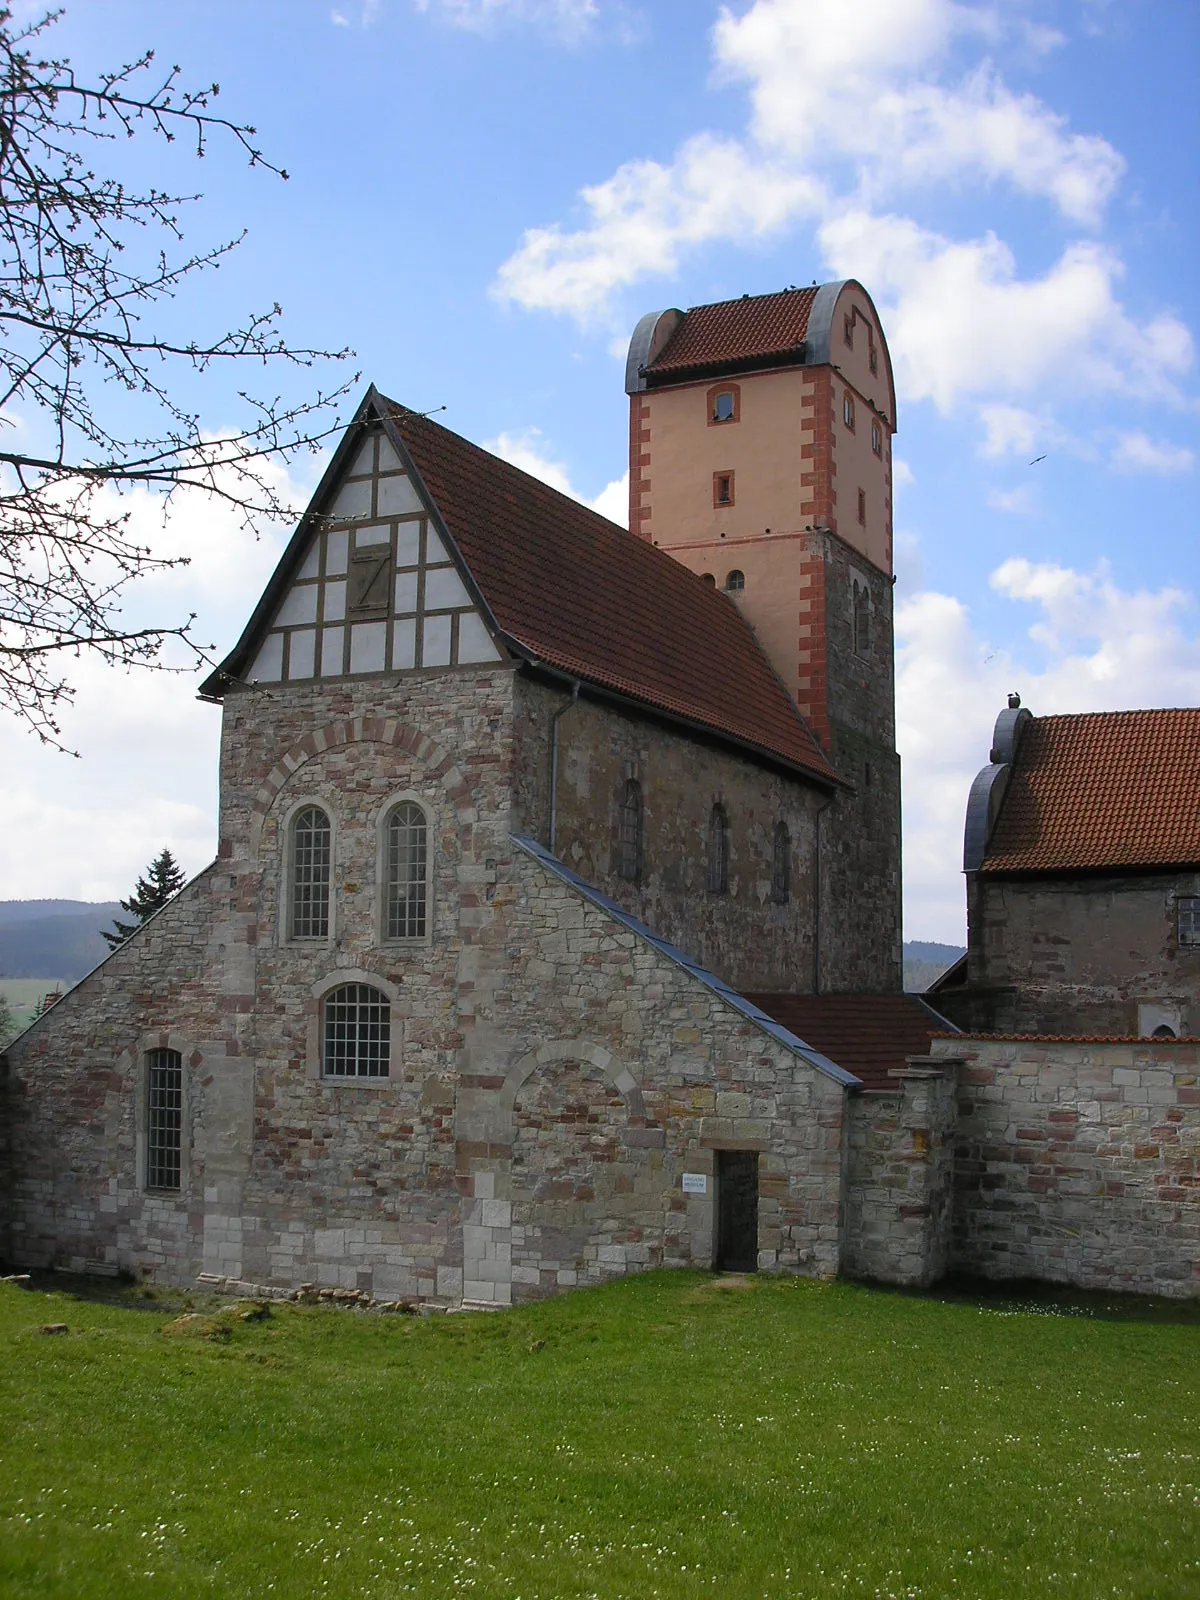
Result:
405,867
781,865
311,857
164,1118
718,851
629,832
357,1032
736,580
862,619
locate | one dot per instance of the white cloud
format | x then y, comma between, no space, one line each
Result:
568,18
962,323
902,473
528,451
1134,452
1089,646
642,219
861,82
1016,502
147,778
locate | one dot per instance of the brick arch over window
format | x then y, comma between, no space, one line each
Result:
438,763
592,1055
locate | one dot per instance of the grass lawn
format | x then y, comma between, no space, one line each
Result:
671,1435
24,995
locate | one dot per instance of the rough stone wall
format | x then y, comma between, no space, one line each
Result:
861,916
1078,1162
749,941
552,1074
1077,955
899,1180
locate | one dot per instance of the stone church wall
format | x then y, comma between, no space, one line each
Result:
749,941
1078,1162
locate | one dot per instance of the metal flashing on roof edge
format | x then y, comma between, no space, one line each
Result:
988,789
752,1013
820,322
646,343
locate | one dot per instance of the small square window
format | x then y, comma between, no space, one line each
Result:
876,439
1189,921
722,488
848,410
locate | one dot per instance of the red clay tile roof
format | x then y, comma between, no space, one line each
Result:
584,596
754,328
868,1034
1105,789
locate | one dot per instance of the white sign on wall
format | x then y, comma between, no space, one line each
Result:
695,1183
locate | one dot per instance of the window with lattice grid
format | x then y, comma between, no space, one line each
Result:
1189,920
312,854
164,1119
629,832
718,851
407,859
357,1032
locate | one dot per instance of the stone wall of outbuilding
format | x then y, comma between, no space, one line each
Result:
1078,1161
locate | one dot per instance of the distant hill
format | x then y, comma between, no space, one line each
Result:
924,961
58,939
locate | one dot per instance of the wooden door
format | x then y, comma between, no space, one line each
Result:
737,1211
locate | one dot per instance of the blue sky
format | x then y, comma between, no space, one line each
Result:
486,194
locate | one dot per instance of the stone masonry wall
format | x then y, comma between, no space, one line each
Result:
1077,955
743,936
1078,1162
552,1074
899,1180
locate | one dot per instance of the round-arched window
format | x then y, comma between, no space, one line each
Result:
356,1032
735,580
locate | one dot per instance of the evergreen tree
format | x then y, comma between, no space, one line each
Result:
165,878
8,1026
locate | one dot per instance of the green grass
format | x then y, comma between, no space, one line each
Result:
24,995
664,1436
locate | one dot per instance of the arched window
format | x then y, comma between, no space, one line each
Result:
356,1033
311,856
164,1118
629,832
406,850
718,851
862,619
735,580
781,865
707,577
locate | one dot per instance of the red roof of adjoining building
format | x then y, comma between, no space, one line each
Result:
581,594
756,327
871,1035
1104,789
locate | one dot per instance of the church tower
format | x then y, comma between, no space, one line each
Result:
760,456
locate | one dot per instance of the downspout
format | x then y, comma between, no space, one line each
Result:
554,720
821,810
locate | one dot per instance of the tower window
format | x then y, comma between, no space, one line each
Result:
311,854
164,1119
876,439
736,580
862,507
781,865
707,577
848,410
724,404
873,359
357,1032
629,832
718,851
862,619
848,330
1189,920
722,488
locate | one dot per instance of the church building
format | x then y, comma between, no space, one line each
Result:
554,928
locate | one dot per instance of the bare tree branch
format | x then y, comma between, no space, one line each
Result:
76,307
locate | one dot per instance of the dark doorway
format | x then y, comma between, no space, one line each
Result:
737,1211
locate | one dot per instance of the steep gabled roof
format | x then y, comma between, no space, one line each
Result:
753,330
870,1035
1101,790
574,591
